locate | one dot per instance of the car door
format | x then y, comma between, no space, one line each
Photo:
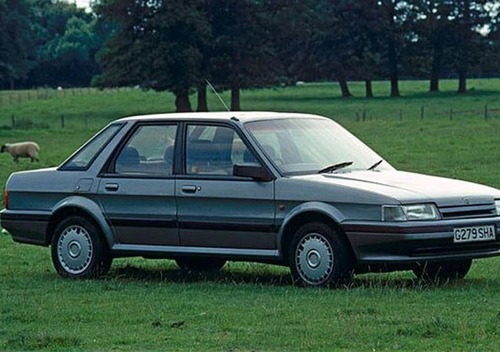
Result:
215,208
137,189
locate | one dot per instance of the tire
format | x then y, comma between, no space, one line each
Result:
435,272
78,249
319,257
200,263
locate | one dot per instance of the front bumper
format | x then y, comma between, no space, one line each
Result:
26,226
411,242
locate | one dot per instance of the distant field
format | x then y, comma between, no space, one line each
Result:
149,306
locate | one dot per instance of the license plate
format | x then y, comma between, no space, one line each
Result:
474,234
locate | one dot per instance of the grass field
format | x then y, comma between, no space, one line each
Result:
151,306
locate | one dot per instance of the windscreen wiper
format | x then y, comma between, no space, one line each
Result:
332,168
374,166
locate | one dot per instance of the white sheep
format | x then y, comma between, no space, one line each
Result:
22,150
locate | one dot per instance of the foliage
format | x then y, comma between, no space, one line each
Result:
15,41
177,45
67,41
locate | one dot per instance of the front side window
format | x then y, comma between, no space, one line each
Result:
214,150
84,157
149,151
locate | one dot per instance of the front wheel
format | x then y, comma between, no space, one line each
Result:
319,257
78,250
436,272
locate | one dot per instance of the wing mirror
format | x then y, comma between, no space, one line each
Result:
255,171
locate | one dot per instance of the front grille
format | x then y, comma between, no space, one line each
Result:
469,211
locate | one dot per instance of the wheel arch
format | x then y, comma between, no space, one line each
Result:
83,207
308,213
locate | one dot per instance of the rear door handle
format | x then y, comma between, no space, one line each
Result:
112,187
190,189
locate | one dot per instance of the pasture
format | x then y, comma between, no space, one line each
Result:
151,306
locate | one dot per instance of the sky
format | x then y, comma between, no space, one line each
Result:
81,3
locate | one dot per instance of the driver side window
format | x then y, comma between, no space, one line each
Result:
214,150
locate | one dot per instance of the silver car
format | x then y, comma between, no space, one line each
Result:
289,189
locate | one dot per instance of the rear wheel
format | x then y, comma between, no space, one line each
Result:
200,263
318,256
78,250
442,271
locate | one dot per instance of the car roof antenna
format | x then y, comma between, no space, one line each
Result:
218,96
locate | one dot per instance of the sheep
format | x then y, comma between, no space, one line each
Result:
22,150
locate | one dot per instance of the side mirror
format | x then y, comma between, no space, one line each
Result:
255,171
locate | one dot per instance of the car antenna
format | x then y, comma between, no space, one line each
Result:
218,96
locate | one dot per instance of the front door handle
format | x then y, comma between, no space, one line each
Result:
112,187
190,189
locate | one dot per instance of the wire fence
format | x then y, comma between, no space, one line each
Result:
20,96
81,119
486,112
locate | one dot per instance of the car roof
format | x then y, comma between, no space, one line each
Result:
243,116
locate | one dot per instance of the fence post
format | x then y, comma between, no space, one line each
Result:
62,121
486,111
400,114
13,118
364,115
451,114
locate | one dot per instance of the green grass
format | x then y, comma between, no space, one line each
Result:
151,306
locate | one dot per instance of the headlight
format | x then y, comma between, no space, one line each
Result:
497,205
412,212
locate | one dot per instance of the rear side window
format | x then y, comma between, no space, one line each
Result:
148,152
84,157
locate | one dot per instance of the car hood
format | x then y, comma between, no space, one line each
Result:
407,187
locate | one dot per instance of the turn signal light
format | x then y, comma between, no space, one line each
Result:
5,198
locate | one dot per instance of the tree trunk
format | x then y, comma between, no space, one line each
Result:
368,88
462,81
344,87
464,49
392,53
182,103
235,97
436,69
434,83
393,67
202,98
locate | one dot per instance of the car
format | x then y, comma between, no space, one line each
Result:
282,188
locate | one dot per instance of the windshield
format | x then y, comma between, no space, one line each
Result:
307,145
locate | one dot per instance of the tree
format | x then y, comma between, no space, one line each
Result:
360,21
16,54
66,42
468,17
155,45
433,29
395,17
332,44
242,55
448,31
291,26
